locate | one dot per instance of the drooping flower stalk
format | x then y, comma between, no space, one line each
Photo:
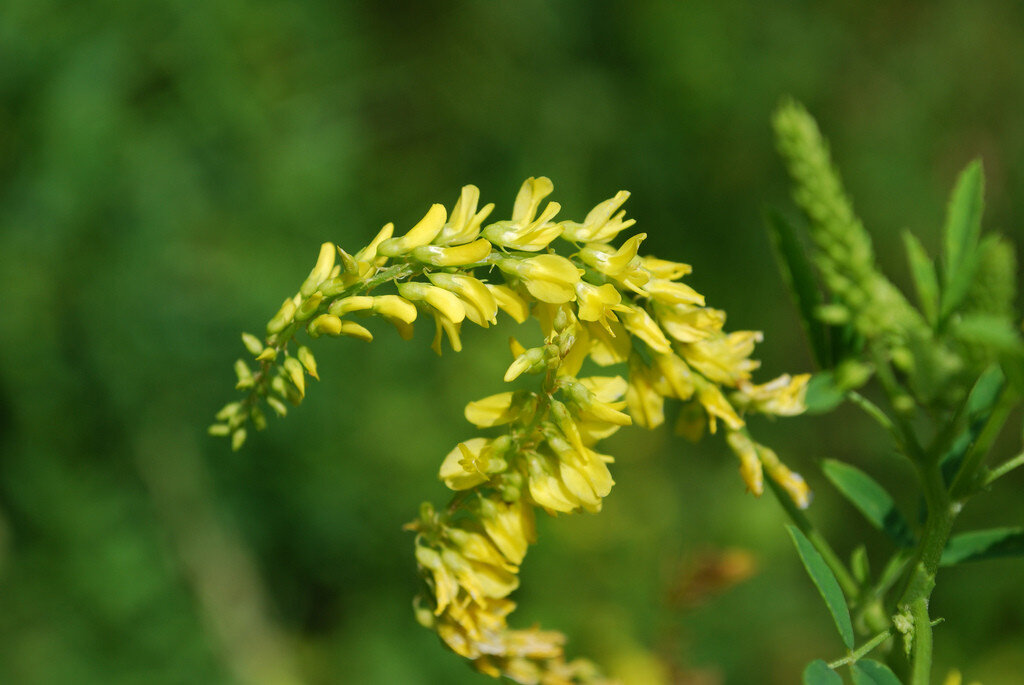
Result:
595,302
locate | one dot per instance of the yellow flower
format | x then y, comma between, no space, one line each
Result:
446,586
621,265
792,482
524,231
464,223
724,359
670,292
608,345
598,303
479,304
783,396
638,322
423,233
677,375
663,268
510,526
548,277
460,255
495,410
446,303
546,486
750,464
717,406
480,580
599,226
686,323
467,465
476,546
510,302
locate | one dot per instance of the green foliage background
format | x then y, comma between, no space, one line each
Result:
168,170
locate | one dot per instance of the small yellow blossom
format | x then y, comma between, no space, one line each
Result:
548,277
724,358
600,226
423,233
687,323
527,231
783,396
750,464
464,223
510,302
480,306
638,322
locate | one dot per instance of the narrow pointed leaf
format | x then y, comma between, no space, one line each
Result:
871,672
799,276
823,394
826,583
925,280
963,227
980,404
870,499
983,544
818,673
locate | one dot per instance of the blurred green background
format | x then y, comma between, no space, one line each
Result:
168,170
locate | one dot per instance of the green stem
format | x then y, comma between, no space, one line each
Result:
863,650
922,664
842,574
1002,470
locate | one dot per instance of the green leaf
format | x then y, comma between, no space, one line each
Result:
799,276
925,280
823,394
980,404
983,544
826,582
871,672
870,499
963,227
992,331
818,673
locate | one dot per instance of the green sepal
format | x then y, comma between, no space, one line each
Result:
870,499
925,279
871,672
798,274
826,583
818,673
960,237
983,544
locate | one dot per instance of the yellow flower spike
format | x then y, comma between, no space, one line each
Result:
549,278
687,324
646,405
638,322
307,360
677,375
446,303
599,226
750,464
321,271
480,306
395,308
783,396
546,488
284,316
353,330
296,374
662,268
453,470
495,410
325,324
717,407
510,302
346,305
464,222
791,481
670,292
423,233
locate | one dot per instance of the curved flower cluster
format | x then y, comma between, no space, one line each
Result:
598,303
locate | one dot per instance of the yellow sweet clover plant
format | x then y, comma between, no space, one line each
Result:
595,301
